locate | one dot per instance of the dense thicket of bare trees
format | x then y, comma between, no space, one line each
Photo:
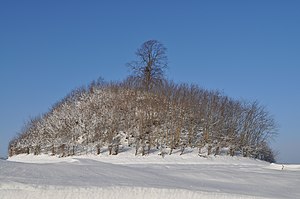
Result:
105,117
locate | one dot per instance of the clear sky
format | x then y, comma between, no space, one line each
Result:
247,49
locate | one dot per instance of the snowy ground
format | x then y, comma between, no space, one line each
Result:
129,176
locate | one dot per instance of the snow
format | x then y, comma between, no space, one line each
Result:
40,159
115,193
290,167
129,176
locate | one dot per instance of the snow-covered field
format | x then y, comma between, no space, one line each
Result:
129,176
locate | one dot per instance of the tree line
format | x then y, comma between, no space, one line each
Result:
148,113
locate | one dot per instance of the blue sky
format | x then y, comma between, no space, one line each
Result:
249,50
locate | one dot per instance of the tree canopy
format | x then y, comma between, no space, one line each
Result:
150,65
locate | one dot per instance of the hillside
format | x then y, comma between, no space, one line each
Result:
110,117
128,176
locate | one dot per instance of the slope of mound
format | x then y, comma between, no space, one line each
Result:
128,157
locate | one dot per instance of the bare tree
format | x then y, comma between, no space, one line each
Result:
150,65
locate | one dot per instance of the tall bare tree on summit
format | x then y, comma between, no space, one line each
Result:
150,65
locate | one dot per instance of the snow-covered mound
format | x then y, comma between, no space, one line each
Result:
129,176
111,117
